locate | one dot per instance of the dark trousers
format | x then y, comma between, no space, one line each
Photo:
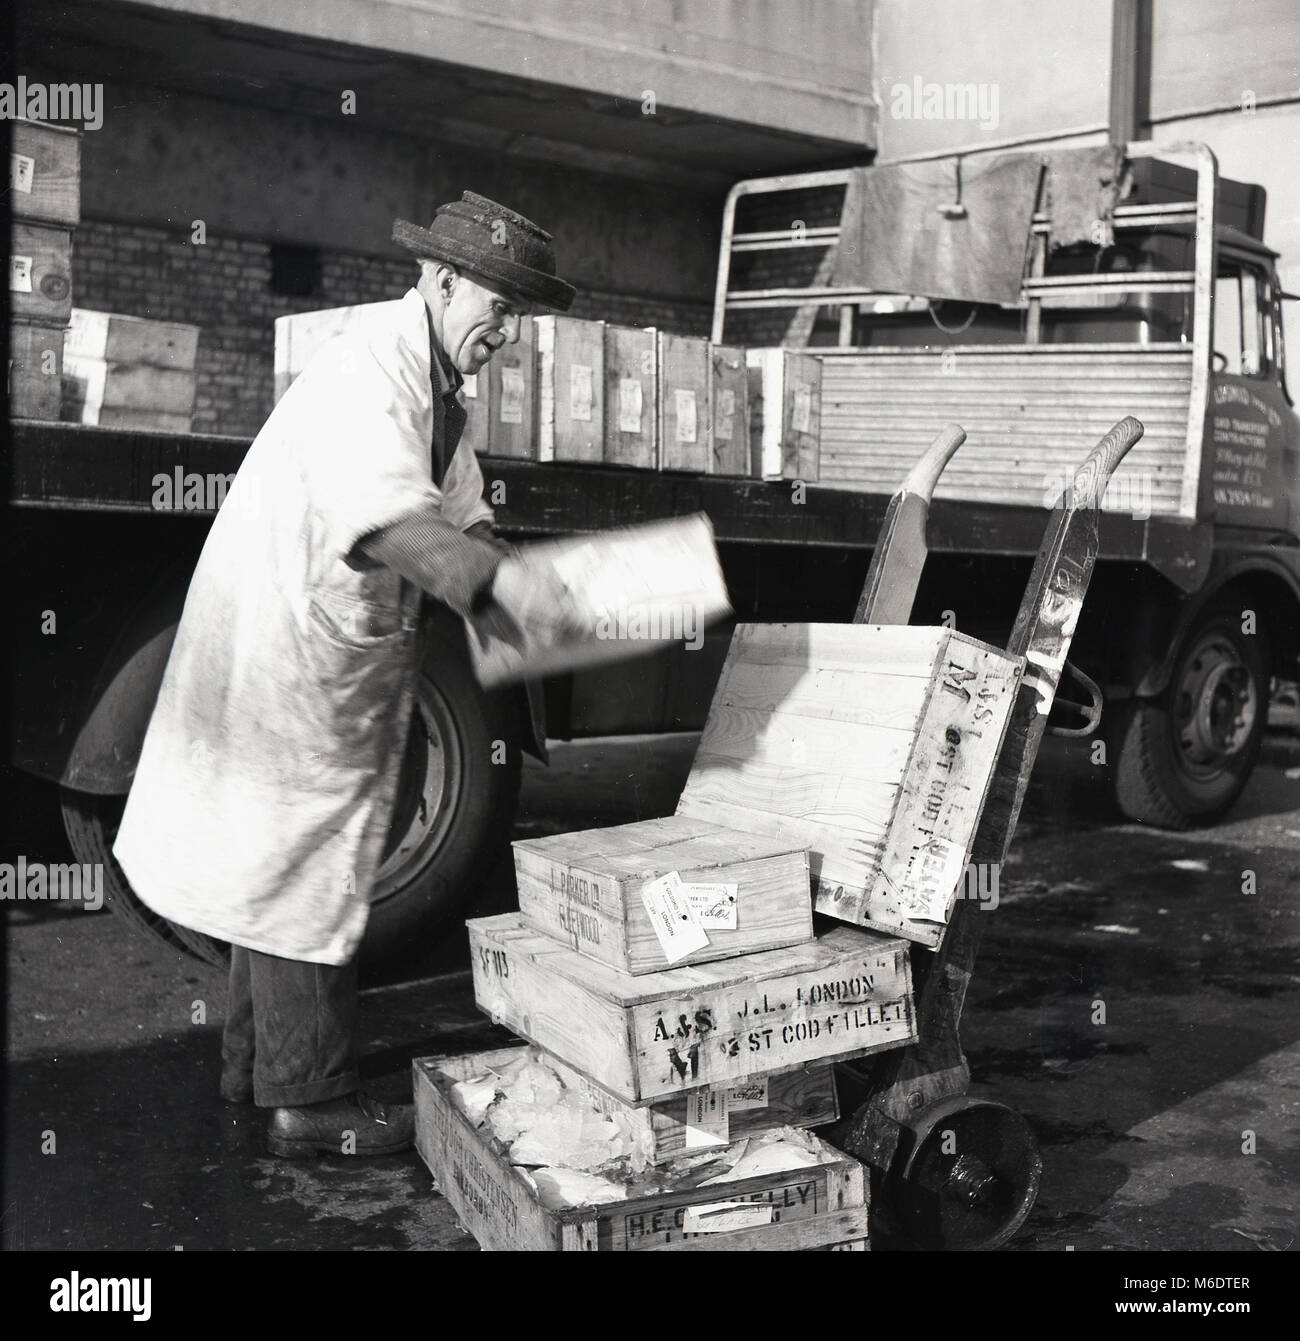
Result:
293,1026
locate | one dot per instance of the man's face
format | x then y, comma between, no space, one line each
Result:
477,321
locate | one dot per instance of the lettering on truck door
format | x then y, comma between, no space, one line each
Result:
1247,420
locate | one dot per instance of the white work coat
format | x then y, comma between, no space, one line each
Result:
266,782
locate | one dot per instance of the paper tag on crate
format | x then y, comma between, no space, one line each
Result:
629,405
715,905
22,172
708,1119
684,401
752,1094
512,396
801,420
673,918
20,274
937,871
721,1217
581,395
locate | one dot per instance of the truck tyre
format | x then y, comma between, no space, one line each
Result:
456,798
1184,756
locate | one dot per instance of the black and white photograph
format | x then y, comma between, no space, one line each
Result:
652,625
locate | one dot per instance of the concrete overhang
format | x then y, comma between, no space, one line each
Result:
455,72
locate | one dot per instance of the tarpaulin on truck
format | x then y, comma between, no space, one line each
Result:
959,227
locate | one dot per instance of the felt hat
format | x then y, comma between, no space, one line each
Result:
493,242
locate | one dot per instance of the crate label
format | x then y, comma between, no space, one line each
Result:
22,172
936,873
581,395
795,1200
512,396
721,1217
629,405
802,418
684,405
480,1191
707,1120
752,1094
470,386
672,917
577,905
715,905
938,809
20,274
724,1039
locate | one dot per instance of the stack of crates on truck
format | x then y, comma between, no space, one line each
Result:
581,391
45,201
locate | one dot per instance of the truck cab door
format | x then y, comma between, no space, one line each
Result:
1251,433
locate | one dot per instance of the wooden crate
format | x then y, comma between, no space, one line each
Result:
683,403
785,409
728,411
807,1207
512,398
40,273
153,421
132,340
570,389
638,588
35,370
872,745
584,889
474,397
299,335
129,372
643,1039
631,399
804,1098
45,173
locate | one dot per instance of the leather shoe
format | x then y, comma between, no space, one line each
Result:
354,1125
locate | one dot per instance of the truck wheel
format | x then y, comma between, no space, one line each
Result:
1186,755
91,824
456,797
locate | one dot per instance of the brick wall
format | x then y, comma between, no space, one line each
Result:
224,288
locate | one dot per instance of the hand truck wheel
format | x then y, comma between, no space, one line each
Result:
969,1179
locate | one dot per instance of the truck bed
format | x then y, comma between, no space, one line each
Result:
1031,413
72,469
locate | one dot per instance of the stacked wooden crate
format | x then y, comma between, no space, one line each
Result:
45,202
670,962
573,390
730,1043
129,372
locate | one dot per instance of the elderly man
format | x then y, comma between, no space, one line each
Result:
267,777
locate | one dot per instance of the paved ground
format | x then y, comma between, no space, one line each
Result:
1144,1119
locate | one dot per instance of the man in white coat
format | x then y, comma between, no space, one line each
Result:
266,781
